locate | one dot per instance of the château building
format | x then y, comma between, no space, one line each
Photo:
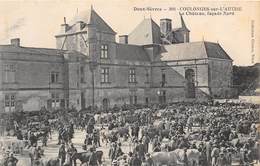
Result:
152,64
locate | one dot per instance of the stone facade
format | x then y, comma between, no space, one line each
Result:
152,64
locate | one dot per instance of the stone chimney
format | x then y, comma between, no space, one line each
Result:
15,42
165,25
123,39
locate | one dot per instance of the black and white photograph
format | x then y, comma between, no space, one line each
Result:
129,83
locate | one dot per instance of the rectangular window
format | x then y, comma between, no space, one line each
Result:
12,101
133,99
132,76
162,97
54,77
55,100
130,100
82,74
9,73
146,100
9,102
104,51
163,79
147,76
104,75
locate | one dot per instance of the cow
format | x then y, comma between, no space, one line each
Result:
164,158
192,155
176,157
84,157
122,131
49,162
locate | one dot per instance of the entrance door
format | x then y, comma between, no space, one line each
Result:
146,101
83,101
190,83
105,104
162,97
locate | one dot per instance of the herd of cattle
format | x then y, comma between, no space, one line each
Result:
197,123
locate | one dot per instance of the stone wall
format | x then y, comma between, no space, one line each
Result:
220,80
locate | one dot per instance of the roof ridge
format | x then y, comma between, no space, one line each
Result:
224,51
94,12
136,27
152,28
42,48
129,44
205,48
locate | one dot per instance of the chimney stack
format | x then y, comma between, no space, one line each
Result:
165,25
123,39
15,42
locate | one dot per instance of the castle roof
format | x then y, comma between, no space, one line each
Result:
90,17
147,32
193,50
39,51
130,52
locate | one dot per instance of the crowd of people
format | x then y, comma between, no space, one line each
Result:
182,133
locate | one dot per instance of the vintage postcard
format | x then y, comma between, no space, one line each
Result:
129,83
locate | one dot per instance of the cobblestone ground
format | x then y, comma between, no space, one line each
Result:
52,149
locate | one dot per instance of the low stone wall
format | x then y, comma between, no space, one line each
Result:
250,99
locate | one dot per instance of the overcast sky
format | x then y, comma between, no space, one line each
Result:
37,22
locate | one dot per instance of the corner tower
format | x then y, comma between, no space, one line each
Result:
83,33
182,34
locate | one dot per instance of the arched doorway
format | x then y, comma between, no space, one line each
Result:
190,83
105,104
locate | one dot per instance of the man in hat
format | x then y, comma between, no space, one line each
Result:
148,160
146,141
112,150
124,161
93,157
155,141
221,160
95,137
118,150
135,161
185,158
214,154
11,160
60,130
62,153
140,149
72,152
228,156
208,151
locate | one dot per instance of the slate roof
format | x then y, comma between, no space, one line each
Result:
183,25
147,32
90,17
193,50
34,50
131,53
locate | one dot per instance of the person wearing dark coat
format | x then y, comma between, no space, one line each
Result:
148,160
93,158
135,161
221,160
62,153
11,160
